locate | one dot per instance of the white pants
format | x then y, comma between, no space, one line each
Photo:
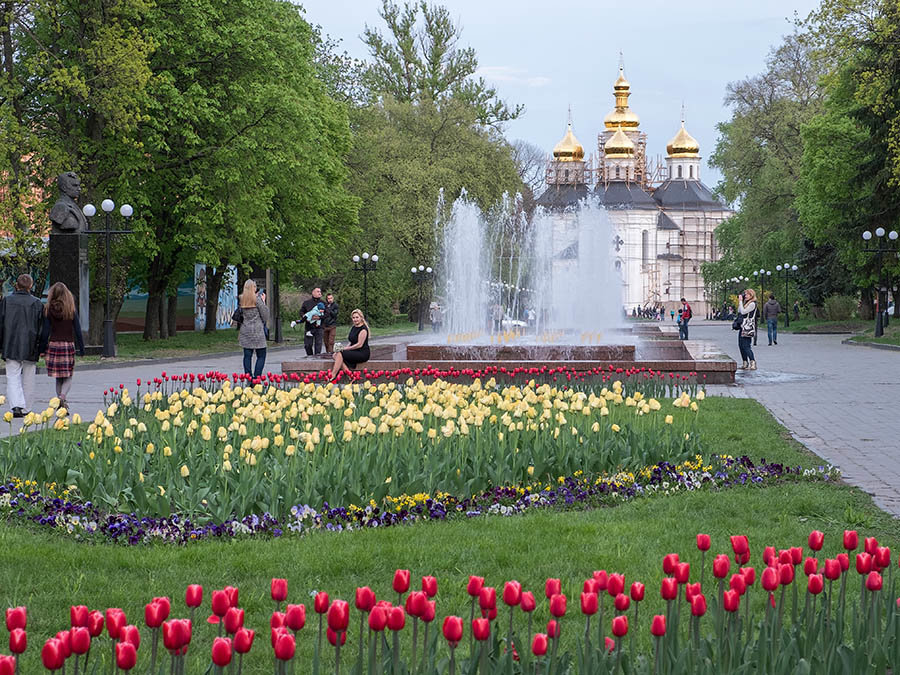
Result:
20,383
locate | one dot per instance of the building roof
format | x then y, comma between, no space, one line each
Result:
563,195
624,195
680,193
663,222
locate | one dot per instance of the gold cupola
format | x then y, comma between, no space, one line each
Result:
568,149
683,144
622,116
619,146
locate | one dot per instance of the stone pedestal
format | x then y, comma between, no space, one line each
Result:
69,264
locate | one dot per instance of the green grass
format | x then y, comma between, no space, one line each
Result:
891,334
49,573
804,325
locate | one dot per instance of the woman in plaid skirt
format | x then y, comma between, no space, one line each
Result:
61,338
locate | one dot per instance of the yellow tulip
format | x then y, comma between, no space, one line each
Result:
616,427
150,448
167,451
669,419
185,472
8,417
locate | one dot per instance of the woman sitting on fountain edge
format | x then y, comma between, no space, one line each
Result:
357,351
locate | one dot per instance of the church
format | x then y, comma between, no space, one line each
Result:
663,217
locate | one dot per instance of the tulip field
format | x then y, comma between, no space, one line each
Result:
216,452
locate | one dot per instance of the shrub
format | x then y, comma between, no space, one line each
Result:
840,307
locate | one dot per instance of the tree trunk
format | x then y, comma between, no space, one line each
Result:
163,318
866,305
214,278
95,333
173,314
151,316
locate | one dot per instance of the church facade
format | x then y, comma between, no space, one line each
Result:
663,218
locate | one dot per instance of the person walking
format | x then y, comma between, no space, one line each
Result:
21,318
314,334
252,331
357,351
61,338
685,317
796,310
770,313
329,323
747,313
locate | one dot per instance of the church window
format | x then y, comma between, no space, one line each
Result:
645,247
691,171
617,171
567,175
679,170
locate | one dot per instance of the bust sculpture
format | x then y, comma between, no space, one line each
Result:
65,215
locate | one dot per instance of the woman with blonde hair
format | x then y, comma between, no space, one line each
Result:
253,315
747,311
357,351
61,338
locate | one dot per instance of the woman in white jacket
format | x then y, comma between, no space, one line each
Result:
747,310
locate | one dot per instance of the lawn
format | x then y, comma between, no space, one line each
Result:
891,334
49,572
822,326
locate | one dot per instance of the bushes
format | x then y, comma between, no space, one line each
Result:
840,307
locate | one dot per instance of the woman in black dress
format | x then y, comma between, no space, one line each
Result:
357,351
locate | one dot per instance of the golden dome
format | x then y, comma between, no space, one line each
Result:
683,144
568,149
619,146
622,116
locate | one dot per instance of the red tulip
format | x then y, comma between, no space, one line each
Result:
193,596
851,540
589,603
749,575
740,544
690,590
610,644
539,644
321,602
512,593
770,579
365,599
590,585
698,604
481,629
769,555
279,590
883,557
816,539
815,584
738,583
796,555
669,590
874,582
552,587
80,640
396,618
732,600
332,637
670,560
95,623
243,640
785,557
602,578
295,617
234,619
785,574
415,603
870,545
78,614
232,593
126,656
52,654
474,586
622,602
338,616
844,560
277,620
428,614
453,630
658,625
620,626
487,599
721,566
285,646
220,603
7,665
863,563
429,586
377,619
65,639
553,629
115,620
832,569
401,581
18,640
682,572
528,602
221,651
615,584
153,614
637,591
175,635
16,617
703,542
810,566
558,605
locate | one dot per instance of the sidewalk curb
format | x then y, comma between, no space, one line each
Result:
873,345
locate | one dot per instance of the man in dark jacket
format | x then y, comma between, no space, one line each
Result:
21,318
770,313
312,340
329,323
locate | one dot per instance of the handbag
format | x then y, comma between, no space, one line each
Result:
736,324
238,316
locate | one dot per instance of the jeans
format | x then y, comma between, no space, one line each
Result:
313,341
772,326
328,334
744,344
683,329
20,383
260,361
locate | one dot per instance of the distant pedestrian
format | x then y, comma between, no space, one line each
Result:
672,312
796,310
747,313
329,323
770,313
686,315
436,316
21,318
61,338
357,351
314,334
252,336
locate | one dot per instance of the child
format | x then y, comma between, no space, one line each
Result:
315,314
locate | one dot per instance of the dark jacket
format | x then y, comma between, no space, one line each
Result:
331,314
76,331
771,309
307,305
21,317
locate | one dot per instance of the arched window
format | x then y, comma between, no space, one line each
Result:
691,171
679,170
617,171
567,175
645,247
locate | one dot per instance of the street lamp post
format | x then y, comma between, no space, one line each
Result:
89,210
762,274
787,268
365,264
421,274
879,250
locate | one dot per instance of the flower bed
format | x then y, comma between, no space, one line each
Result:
214,451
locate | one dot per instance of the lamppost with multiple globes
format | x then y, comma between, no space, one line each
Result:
787,268
365,264
881,318
89,210
421,274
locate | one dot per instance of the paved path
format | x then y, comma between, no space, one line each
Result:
838,400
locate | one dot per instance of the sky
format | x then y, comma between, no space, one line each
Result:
551,55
